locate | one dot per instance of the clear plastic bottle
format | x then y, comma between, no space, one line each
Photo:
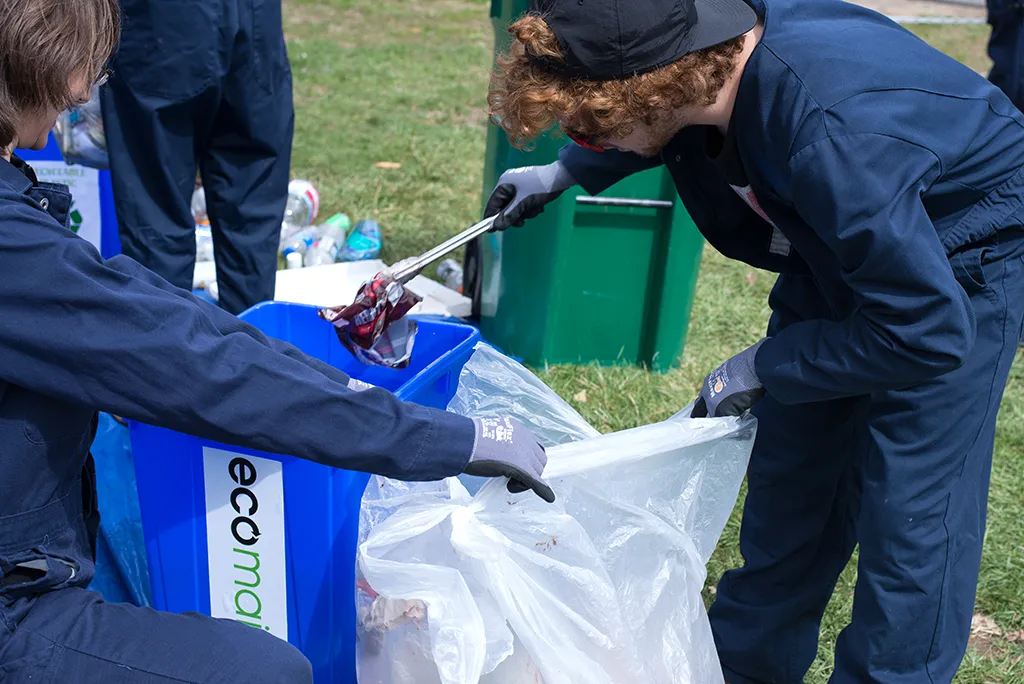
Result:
337,227
324,251
204,243
329,243
199,214
364,242
293,260
296,212
303,203
80,135
450,273
300,242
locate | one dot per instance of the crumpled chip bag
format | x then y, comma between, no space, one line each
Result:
374,328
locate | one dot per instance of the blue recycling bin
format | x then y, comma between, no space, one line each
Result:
266,539
93,194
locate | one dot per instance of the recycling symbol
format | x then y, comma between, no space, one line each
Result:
75,218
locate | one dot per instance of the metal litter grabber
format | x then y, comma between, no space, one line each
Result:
374,328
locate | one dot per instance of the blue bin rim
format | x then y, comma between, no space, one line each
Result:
432,371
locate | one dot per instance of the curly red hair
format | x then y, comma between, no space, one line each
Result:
526,100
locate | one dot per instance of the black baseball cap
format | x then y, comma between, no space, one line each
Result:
605,40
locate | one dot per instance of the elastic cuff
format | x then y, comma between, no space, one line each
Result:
452,445
766,366
563,179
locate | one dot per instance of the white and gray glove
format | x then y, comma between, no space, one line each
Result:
521,193
506,448
503,447
732,388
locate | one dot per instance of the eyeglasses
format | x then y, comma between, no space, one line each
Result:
584,141
101,78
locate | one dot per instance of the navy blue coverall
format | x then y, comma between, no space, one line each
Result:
79,334
891,185
1006,47
201,84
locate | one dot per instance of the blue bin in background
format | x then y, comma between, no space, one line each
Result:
94,194
319,513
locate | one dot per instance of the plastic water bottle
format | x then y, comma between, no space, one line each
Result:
199,207
337,227
80,135
204,243
324,251
364,242
303,203
300,242
296,212
450,273
329,241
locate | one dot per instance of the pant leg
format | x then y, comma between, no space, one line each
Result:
797,532
246,159
163,87
796,537
1006,48
925,491
73,637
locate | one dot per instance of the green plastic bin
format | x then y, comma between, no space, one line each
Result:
609,278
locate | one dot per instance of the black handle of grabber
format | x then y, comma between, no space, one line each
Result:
406,270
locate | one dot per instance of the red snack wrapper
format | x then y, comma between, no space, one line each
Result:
373,328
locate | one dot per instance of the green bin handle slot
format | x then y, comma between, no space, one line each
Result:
625,202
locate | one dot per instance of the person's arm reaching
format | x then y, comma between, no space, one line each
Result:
225,322
77,329
595,171
913,321
522,193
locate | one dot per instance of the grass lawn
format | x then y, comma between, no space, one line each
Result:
405,82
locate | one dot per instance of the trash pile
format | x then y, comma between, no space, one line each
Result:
305,243
460,582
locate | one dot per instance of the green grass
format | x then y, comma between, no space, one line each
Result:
966,43
404,81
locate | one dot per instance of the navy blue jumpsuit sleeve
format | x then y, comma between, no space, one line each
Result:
226,323
104,335
861,193
597,171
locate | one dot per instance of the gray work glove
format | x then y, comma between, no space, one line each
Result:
732,388
505,447
521,193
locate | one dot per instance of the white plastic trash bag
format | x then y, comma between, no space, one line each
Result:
603,587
